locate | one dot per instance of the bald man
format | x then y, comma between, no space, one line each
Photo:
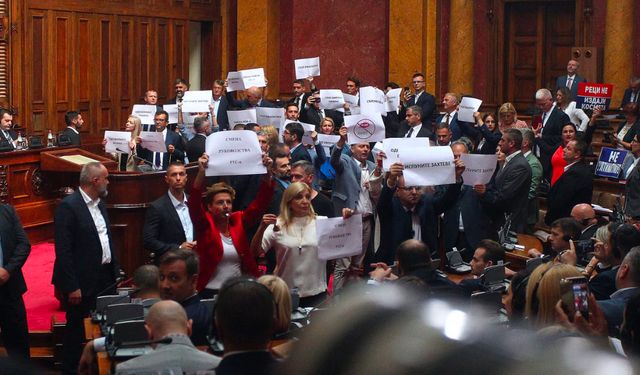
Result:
586,215
253,98
168,319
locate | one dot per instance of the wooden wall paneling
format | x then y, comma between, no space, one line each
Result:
560,38
35,98
143,69
83,80
179,42
163,80
17,47
107,52
61,54
126,74
4,53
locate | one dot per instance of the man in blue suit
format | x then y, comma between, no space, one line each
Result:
458,128
175,148
422,99
571,79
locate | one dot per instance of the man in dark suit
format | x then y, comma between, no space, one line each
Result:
74,122
571,79
292,136
14,251
253,98
632,175
314,115
458,128
219,107
172,140
413,127
574,186
506,195
6,123
167,224
85,264
196,146
300,94
632,93
421,98
549,136
180,85
244,322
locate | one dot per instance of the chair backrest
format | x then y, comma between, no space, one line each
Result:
123,311
103,301
210,303
129,331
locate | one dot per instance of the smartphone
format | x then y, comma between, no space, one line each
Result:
575,296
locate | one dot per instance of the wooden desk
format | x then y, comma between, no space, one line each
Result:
91,329
456,278
517,259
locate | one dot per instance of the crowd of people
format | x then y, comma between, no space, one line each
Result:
214,238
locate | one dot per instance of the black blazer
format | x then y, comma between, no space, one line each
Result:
75,138
196,147
162,227
300,153
627,97
78,249
551,138
574,186
562,82
474,218
244,104
15,250
635,129
13,135
247,362
312,116
424,131
491,140
221,115
171,139
427,103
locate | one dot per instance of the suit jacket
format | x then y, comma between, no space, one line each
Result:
300,153
244,103
491,140
73,136
562,82
303,101
162,227
627,97
13,136
167,158
221,116
536,177
573,187
632,193
424,131
635,129
603,285
78,249
312,116
474,219
460,128
196,147
179,353
551,137
346,189
251,362
507,193
427,103
15,250
395,224
613,309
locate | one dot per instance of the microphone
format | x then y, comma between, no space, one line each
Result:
145,161
164,340
119,279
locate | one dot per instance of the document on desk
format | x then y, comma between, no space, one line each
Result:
338,237
234,153
153,141
78,159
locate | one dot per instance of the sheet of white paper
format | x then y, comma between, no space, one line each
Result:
234,82
270,116
364,128
423,165
331,99
153,141
379,146
327,141
393,100
351,99
339,238
234,153
307,67
145,112
253,77
308,129
172,110
241,117
372,100
197,101
478,168
117,141
468,106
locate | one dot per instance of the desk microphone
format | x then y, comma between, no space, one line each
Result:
164,340
139,159
119,279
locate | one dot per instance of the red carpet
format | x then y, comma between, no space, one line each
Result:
39,299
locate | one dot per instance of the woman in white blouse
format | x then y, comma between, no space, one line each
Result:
576,115
293,237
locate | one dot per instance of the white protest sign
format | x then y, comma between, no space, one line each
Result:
364,128
393,100
377,148
308,129
423,166
331,99
327,141
241,117
339,238
117,141
172,110
468,106
307,67
196,101
253,77
145,112
372,100
234,153
398,145
234,82
270,116
478,169
351,99
153,141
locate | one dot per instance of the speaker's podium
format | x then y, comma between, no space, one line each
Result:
130,193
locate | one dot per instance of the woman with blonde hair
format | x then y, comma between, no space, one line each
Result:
543,292
272,134
292,235
126,161
508,118
282,300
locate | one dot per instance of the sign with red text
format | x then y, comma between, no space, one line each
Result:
594,95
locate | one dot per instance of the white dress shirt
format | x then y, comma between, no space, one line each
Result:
100,224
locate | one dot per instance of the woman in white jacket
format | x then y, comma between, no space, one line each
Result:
576,115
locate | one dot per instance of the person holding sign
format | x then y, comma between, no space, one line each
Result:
292,235
628,129
421,98
253,98
175,149
490,135
126,161
313,114
220,233
459,128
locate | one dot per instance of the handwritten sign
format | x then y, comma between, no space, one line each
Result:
339,238
594,95
234,153
478,168
307,67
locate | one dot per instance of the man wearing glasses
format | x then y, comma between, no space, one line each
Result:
421,98
175,149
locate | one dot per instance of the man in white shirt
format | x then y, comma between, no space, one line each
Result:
175,148
414,127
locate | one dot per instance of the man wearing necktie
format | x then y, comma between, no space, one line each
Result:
6,122
632,93
571,80
413,126
175,148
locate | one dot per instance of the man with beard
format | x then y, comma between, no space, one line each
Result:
74,123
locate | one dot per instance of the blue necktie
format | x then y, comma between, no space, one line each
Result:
158,161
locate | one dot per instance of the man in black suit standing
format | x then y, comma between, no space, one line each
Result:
422,99
196,146
300,94
574,186
571,79
549,135
253,98
74,122
219,107
314,115
172,140
6,122
413,127
181,85
167,224
14,250
292,136
506,196
85,264
632,93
